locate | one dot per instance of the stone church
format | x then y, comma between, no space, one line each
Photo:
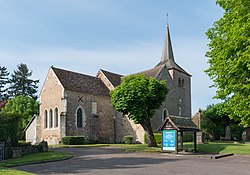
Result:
75,104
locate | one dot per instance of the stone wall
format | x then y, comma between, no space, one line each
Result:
171,102
184,89
95,127
124,127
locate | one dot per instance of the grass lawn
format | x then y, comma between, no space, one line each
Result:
211,147
33,158
8,171
225,147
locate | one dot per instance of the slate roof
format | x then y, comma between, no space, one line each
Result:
152,72
115,79
77,82
182,123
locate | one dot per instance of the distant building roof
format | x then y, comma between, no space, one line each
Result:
115,79
77,82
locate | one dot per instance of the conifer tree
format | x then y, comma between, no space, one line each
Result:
3,82
21,84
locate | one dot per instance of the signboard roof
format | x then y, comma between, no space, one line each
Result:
178,123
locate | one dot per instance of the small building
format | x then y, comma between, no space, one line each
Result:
31,131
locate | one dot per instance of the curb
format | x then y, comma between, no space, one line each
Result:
45,161
221,156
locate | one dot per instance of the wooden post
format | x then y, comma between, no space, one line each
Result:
195,141
176,141
181,140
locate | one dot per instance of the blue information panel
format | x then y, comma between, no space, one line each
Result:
169,140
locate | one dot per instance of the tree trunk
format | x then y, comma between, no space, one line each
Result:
149,133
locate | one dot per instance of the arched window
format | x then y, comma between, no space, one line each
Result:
164,114
45,119
50,118
56,117
182,83
79,117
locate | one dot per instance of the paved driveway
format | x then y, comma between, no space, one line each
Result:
111,161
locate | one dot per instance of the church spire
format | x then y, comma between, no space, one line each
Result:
167,52
167,57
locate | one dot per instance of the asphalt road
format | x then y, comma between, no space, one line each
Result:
111,161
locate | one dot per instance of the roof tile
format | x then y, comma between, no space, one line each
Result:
77,82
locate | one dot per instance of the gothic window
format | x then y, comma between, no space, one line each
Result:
56,117
45,119
79,117
50,118
94,107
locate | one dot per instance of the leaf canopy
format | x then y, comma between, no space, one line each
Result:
139,97
229,57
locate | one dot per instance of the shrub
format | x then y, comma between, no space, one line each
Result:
9,129
157,138
73,140
128,139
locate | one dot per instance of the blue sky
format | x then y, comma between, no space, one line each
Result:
124,36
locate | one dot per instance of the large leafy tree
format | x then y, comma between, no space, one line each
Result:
139,97
25,107
21,84
3,82
229,57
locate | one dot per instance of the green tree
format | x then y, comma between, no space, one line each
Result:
9,129
25,107
229,57
214,121
21,84
139,97
4,80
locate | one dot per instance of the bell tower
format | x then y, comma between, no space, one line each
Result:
181,79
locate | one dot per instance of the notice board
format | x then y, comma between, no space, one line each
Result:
169,141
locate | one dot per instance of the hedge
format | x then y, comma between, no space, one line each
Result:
187,137
157,138
73,140
128,139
